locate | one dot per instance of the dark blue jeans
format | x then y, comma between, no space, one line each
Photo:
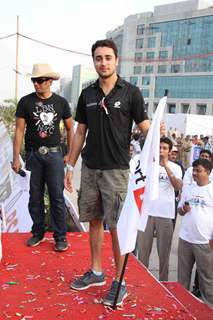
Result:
47,169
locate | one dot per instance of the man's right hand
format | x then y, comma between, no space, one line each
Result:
186,207
16,165
68,181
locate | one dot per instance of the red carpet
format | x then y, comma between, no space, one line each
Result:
35,285
196,306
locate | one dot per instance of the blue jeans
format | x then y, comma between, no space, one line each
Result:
47,169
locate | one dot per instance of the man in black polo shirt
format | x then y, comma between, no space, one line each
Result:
40,113
105,112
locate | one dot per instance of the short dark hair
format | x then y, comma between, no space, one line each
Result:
206,164
167,141
206,151
105,43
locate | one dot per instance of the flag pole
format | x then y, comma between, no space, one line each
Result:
120,280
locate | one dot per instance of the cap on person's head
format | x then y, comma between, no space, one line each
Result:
174,149
44,70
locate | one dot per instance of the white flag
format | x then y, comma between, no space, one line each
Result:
142,188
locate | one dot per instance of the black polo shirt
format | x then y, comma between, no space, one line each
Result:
109,123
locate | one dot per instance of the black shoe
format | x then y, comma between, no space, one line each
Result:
196,293
61,244
87,280
35,240
108,300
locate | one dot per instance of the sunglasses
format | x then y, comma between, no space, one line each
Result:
39,80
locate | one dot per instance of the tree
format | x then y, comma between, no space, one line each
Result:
7,113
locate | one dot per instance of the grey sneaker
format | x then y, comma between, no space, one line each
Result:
109,299
61,244
89,279
35,240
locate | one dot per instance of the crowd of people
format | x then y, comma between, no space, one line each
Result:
191,195
105,114
187,147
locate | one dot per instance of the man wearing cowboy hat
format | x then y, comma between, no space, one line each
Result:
40,114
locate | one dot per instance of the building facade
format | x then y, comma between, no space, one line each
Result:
170,48
65,88
80,75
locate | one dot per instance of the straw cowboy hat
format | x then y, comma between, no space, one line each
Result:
44,70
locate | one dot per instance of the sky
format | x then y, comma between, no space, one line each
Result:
70,24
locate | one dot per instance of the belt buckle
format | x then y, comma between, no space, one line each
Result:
43,150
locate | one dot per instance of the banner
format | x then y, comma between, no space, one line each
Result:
14,189
73,213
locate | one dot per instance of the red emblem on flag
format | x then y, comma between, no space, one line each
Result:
138,197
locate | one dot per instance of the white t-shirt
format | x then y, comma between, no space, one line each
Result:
188,178
136,146
164,206
197,224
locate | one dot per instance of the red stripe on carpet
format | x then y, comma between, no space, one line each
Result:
35,284
199,309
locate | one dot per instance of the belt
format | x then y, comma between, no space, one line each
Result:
45,150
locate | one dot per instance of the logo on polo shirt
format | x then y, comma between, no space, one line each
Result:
91,104
117,105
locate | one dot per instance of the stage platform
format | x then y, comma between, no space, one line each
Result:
34,284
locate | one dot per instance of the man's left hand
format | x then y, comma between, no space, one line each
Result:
163,161
66,157
68,181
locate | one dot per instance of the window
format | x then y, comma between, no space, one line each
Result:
138,56
151,42
137,69
185,108
188,37
146,81
145,93
162,68
149,69
163,54
140,29
139,43
133,80
150,55
175,68
201,109
185,87
171,108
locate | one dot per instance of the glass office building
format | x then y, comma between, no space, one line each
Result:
171,48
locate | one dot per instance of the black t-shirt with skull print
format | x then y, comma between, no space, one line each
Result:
42,118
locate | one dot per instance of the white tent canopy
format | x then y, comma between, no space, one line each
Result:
190,124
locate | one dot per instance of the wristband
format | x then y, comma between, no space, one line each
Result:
69,167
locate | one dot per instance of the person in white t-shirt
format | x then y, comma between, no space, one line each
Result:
196,232
188,178
160,220
136,143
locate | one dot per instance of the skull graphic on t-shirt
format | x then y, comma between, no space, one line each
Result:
45,115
